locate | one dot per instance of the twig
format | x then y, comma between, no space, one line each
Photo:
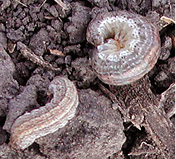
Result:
108,93
43,3
27,53
21,3
63,5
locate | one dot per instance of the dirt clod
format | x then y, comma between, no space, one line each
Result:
95,132
78,21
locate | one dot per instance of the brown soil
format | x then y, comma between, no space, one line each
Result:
98,131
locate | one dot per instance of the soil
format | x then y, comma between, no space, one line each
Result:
98,130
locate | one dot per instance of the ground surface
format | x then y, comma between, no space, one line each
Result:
98,131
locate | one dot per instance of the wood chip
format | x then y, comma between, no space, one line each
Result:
56,52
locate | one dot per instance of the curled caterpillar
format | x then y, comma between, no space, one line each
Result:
47,119
127,46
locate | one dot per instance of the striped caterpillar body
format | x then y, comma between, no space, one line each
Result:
127,46
47,119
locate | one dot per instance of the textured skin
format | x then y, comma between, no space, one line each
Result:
46,119
127,46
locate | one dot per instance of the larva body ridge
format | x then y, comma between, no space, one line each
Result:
127,46
46,119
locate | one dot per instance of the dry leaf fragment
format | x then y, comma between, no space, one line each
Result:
56,52
63,5
167,20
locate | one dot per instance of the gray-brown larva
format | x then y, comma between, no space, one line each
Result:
127,46
47,119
